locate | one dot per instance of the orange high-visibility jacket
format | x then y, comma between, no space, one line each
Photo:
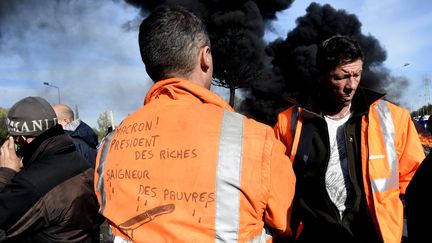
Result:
390,152
186,168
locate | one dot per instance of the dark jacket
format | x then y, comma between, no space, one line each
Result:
418,203
382,151
52,198
84,138
312,206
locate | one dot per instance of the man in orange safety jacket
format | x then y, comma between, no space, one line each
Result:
353,154
185,167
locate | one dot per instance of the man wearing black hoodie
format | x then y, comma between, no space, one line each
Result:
46,186
84,138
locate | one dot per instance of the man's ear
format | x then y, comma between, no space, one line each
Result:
205,58
65,121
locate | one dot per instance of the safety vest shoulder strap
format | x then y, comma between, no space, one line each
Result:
299,136
228,176
294,118
381,165
100,170
383,148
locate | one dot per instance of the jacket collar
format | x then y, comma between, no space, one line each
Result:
362,100
45,142
79,129
180,89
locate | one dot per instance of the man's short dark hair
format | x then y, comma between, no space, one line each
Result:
335,51
170,39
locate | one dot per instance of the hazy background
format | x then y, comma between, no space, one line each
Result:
89,48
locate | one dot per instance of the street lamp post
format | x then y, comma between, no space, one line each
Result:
58,89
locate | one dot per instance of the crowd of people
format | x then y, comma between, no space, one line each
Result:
186,167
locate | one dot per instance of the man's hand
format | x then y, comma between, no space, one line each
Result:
8,156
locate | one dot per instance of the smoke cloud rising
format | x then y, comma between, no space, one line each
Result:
236,30
293,60
90,51
285,68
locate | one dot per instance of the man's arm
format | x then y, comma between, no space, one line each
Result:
410,150
16,198
6,176
16,193
10,164
281,189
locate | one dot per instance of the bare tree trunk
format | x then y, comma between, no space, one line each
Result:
232,96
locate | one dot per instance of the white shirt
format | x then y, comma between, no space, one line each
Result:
338,184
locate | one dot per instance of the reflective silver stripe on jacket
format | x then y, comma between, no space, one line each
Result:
388,133
101,170
228,176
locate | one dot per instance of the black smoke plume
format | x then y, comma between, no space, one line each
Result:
236,30
283,69
293,62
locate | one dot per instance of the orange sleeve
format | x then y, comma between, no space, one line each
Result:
281,189
96,173
281,130
410,151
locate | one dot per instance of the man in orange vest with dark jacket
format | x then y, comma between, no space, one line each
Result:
353,154
185,167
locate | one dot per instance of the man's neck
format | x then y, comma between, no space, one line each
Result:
337,114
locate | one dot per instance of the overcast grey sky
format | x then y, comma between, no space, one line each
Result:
84,48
